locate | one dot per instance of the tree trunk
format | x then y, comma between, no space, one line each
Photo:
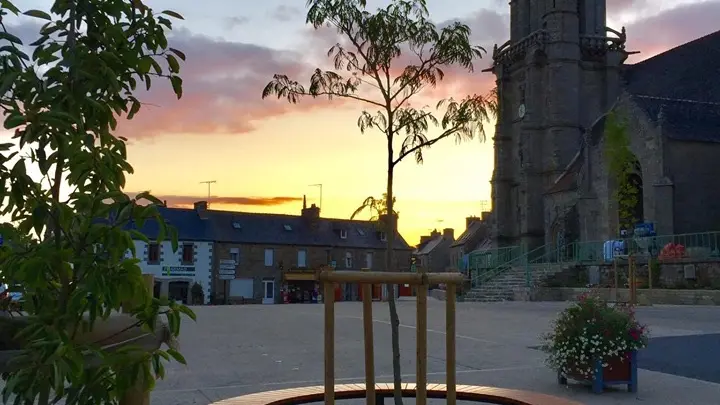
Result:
389,266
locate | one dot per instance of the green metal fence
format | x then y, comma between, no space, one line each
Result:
491,263
696,246
486,265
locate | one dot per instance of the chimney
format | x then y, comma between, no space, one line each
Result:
486,216
304,202
449,233
424,239
201,207
311,214
383,219
164,203
434,233
470,220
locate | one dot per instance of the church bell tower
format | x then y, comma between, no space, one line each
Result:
552,80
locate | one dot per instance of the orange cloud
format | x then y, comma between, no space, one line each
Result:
183,201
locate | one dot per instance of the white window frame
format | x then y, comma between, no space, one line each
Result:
235,255
368,260
269,257
343,234
383,236
348,260
302,258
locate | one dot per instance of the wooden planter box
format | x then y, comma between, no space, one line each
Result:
116,332
619,372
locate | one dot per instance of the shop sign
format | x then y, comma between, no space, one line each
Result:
178,271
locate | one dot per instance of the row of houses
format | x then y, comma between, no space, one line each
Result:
257,258
441,251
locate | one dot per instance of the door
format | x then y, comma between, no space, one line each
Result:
268,292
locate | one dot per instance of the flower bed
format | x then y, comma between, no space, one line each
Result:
595,342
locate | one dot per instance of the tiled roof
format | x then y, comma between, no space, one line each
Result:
474,227
430,245
254,228
683,119
689,71
683,83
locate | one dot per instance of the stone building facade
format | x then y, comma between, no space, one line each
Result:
558,78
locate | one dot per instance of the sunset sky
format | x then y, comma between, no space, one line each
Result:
264,154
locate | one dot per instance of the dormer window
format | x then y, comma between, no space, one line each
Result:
383,236
287,227
343,234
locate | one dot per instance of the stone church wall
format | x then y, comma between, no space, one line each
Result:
695,174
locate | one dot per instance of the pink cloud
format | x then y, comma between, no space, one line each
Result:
672,28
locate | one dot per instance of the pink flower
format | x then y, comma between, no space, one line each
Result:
635,334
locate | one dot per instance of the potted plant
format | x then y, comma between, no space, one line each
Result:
197,293
594,342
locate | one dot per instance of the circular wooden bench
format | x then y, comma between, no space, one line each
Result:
305,395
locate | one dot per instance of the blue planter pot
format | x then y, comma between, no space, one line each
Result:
600,381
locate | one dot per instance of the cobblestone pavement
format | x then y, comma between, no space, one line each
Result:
233,350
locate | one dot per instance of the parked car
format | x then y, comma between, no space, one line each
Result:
14,294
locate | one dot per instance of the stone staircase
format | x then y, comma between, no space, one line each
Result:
502,286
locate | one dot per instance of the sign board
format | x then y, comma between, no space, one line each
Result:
333,264
228,264
226,276
227,271
178,271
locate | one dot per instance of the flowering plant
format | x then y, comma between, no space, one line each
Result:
591,330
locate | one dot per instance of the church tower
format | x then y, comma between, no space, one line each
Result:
554,78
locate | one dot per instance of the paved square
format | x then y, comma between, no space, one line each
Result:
233,350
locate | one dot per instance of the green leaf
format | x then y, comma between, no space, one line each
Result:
14,120
177,356
38,14
8,81
178,53
177,82
173,63
144,65
172,14
134,109
10,37
39,216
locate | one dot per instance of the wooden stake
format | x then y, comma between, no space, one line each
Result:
329,298
451,382
369,347
421,389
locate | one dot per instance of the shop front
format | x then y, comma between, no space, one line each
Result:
300,287
175,282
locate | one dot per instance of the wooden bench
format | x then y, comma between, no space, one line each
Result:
304,395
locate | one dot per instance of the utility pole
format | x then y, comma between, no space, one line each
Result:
208,182
319,186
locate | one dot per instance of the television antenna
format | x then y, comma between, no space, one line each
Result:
320,187
209,183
